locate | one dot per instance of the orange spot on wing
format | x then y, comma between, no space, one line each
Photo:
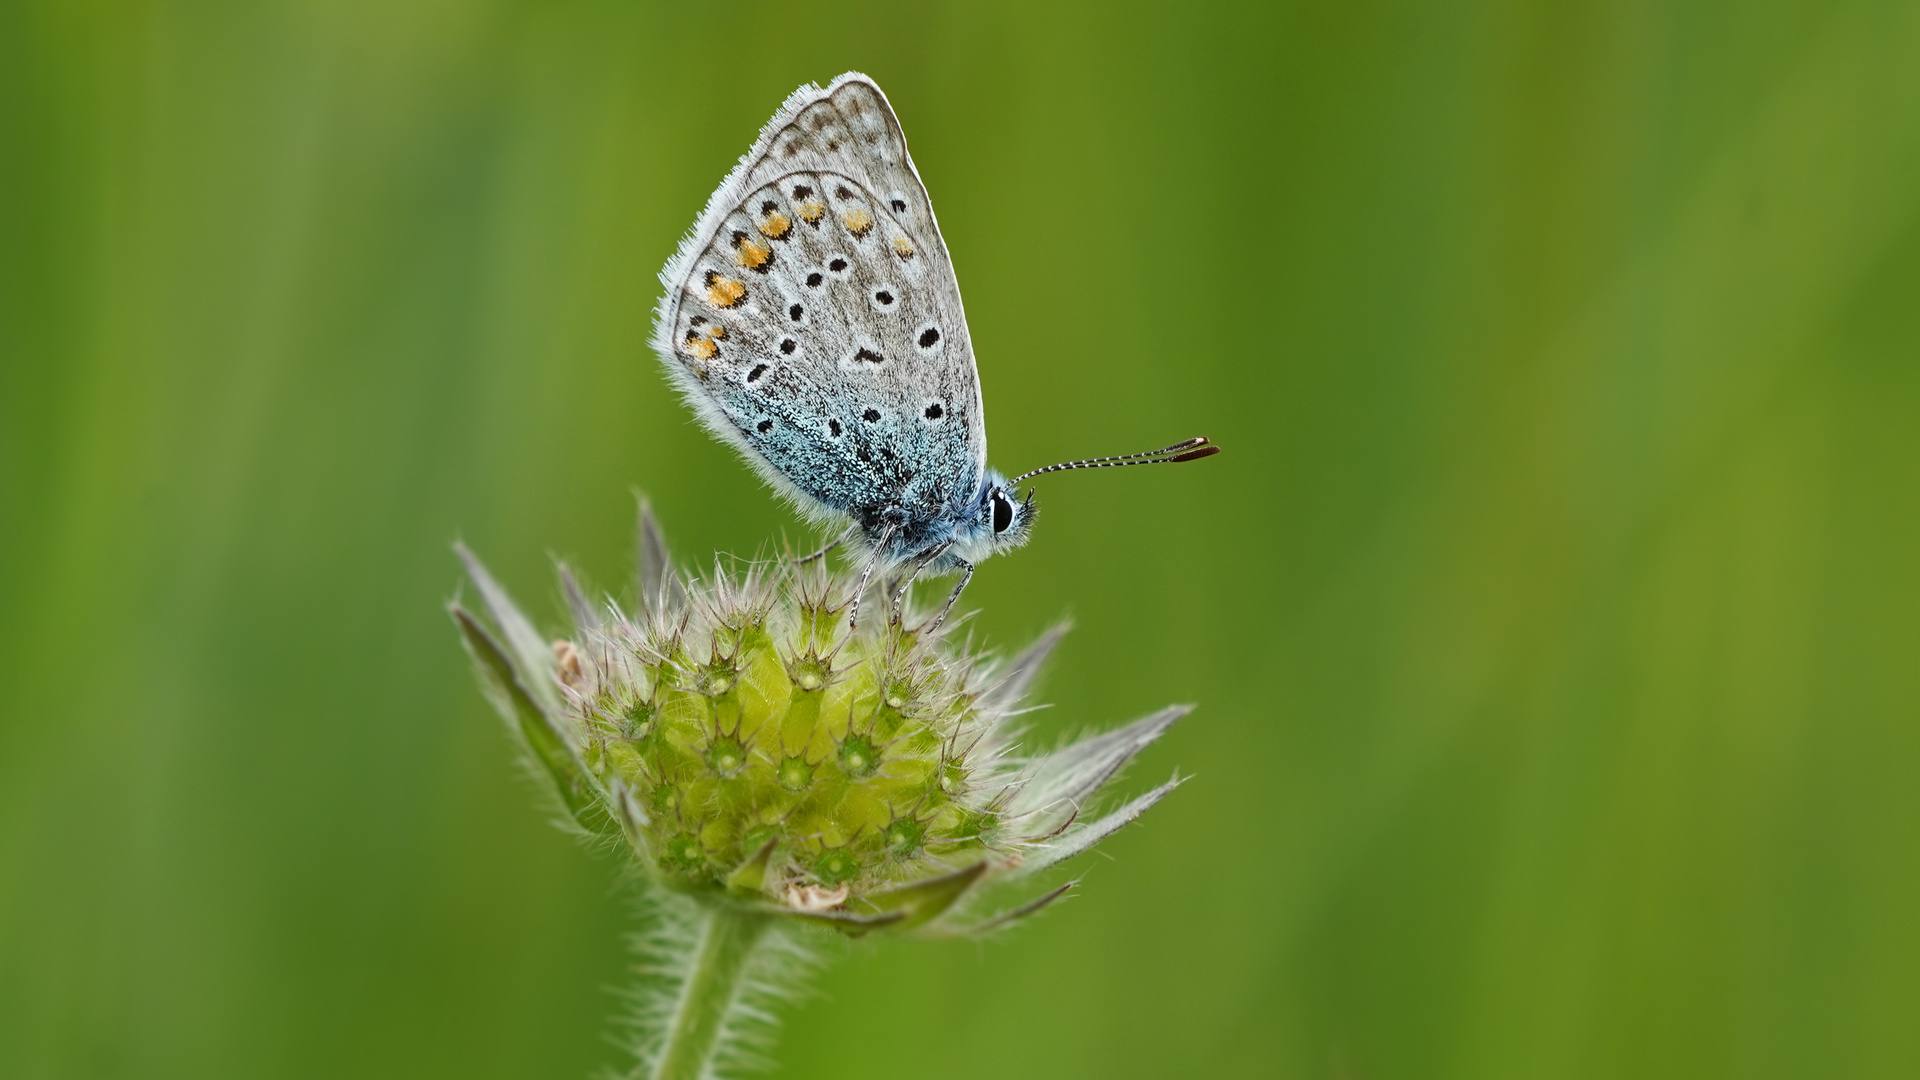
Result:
752,255
776,226
700,348
724,292
859,222
812,211
902,247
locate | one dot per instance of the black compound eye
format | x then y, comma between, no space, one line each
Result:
1002,512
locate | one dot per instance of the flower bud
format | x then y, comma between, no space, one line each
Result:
754,751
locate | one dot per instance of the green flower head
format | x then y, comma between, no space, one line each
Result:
753,751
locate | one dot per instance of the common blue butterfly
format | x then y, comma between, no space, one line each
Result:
812,320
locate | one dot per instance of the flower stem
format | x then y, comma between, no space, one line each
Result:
728,938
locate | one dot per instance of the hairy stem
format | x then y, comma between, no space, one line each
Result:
714,979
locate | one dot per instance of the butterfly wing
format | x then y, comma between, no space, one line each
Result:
812,318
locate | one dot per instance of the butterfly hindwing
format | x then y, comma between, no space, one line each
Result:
814,322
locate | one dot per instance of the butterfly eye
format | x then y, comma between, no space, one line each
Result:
1002,512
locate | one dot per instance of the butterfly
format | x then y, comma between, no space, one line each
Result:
812,320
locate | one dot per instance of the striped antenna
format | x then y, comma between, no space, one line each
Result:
1191,450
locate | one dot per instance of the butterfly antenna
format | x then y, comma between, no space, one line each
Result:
1191,450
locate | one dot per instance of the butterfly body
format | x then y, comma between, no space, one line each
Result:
812,320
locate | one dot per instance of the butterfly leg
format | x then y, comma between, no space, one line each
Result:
966,575
822,553
866,574
925,559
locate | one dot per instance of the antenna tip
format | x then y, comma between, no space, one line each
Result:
1207,450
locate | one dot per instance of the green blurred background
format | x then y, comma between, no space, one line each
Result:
1554,613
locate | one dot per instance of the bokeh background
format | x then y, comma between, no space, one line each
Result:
1554,613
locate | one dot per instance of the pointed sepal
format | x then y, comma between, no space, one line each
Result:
1018,677
849,923
530,656
923,901
751,876
1058,783
659,588
585,616
1081,837
539,733
1004,919
631,817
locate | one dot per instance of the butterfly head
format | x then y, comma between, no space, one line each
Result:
1005,520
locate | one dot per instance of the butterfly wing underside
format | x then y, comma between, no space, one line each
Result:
813,321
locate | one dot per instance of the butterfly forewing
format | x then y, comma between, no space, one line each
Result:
815,323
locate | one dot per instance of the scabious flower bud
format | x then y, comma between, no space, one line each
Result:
771,765
753,750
